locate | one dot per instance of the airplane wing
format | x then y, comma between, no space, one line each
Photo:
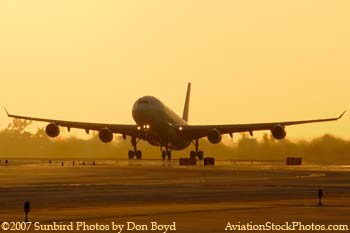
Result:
130,130
192,132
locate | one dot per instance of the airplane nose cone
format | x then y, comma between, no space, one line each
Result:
135,111
139,113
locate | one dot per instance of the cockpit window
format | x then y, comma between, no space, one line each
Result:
143,101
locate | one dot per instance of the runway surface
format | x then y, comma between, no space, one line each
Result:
197,199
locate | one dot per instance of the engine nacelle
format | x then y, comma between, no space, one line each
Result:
106,135
52,130
278,132
214,136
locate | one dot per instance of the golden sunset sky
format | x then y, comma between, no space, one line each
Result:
248,61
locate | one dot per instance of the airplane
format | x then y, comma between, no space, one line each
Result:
160,126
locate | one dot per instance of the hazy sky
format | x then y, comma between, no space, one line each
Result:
248,61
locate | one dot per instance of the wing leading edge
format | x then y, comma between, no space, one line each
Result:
130,130
192,132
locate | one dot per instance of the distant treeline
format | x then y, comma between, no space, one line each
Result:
17,142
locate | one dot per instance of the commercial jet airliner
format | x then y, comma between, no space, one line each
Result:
160,126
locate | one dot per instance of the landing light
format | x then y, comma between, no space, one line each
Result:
138,127
145,127
180,128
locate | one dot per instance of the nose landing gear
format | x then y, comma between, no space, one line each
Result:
166,153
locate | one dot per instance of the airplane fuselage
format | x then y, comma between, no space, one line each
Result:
162,122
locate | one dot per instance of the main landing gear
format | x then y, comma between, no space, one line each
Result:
208,161
196,153
134,153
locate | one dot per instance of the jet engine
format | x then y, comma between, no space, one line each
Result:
278,132
214,136
106,135
52,130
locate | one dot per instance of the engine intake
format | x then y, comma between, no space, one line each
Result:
214,136
52,130
105,135
278,132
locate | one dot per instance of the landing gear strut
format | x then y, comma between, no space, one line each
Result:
134,153
196,152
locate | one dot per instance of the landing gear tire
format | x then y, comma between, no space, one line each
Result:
134,153
138,155
193,154
168,153
131,154
163,154
200,155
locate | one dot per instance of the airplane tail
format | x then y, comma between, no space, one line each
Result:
187,103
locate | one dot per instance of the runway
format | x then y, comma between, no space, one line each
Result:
197,199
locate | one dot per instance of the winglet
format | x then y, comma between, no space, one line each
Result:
187,103
341,115
8,114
